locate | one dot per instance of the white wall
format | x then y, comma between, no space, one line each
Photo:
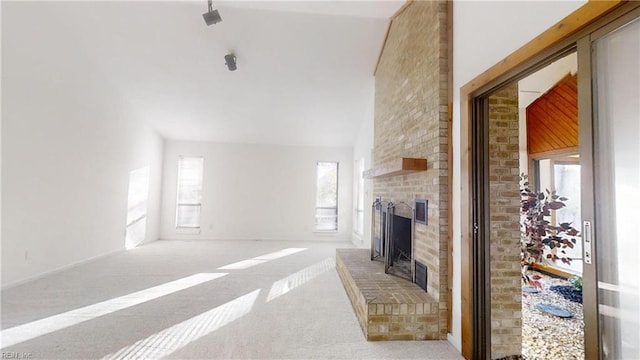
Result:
485,32
69,141
363,149
257,191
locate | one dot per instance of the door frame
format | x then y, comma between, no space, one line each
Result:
475,274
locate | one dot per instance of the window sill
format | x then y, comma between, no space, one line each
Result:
187,230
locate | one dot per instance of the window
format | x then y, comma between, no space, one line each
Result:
189,199
358,224
562,174
566,178
327,196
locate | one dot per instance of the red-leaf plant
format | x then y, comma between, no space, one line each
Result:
538,233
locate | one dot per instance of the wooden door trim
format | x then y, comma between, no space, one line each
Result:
532,54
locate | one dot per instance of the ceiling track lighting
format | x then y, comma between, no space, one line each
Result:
230,61
212,16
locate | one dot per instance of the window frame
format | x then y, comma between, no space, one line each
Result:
359,198
317,207
180,204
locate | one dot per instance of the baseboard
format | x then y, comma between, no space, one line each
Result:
455,341
60,269
318,239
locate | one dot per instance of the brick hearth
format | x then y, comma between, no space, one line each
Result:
387,307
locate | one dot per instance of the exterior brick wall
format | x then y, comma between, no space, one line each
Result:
411,121
504,202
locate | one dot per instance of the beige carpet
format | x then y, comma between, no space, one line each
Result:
198,300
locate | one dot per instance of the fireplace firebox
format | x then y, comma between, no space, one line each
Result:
392,238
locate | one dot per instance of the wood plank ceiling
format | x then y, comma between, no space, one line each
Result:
552,119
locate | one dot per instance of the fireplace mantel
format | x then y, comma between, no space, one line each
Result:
400,166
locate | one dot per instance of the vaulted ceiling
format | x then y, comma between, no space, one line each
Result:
552,119
305,69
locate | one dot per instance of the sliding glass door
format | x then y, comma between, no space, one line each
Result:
606,180
611,213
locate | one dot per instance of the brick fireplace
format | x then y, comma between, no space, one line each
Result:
387,307
411,122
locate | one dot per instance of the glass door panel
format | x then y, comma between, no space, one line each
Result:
617,189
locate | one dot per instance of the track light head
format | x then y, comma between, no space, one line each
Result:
230,61
211,17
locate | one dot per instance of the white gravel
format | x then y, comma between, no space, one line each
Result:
545,336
